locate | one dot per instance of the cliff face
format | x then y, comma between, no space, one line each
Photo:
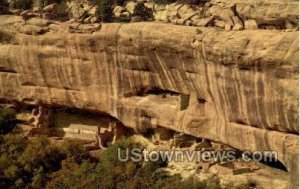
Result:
235,87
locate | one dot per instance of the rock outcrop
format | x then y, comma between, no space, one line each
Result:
231,15
239,88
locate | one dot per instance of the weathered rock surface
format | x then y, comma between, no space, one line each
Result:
228,15
264,14
239,88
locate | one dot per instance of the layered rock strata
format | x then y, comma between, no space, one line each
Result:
239,88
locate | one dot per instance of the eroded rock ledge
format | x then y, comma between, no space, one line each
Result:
236,87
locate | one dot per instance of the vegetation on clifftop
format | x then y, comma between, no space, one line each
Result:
21,4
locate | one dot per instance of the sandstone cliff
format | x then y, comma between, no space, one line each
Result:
235,87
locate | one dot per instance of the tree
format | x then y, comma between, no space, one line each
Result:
7,120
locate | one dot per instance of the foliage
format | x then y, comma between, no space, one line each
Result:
142,11
7,113
30,163
74,175
164,1
7,119
21,4
72,149
49,2
105,9
120,2
109,172
3,6
37,163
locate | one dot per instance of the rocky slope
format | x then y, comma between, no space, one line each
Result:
239,88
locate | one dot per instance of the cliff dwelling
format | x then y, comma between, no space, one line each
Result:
91,91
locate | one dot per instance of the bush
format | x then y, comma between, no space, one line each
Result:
7,120
32,163
3,7
105,9
120,2
21,4
142,11
74,150
164,1
7,113
43,3
37,163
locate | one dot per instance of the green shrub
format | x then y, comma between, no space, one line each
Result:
7,120
195,2
74,150
31,163
105,9
142,11
7,113
3,6
164,1
21,4
37,163
74,175
49,2
120,2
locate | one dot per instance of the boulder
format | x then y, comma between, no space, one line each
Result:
219,23
130,6
94,20
50,8
118,10
251,25
92,10
238,23
125,16
25,13
172,11
121,13
149,5
196,17
16,11
204,22
228,27
237,27
270,12
88,20
161,15
224,14
186,12
55,10
75,10
28,14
